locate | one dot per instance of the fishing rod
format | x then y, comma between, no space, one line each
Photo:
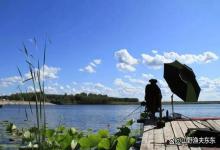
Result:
131,113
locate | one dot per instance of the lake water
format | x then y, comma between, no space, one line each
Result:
92,116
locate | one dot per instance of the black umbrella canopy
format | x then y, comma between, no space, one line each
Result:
182,81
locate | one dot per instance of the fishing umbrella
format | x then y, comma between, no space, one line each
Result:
182,81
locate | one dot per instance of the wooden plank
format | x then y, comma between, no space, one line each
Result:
147,139
176,129
195,148
183,127
144,137
148,127
217,121
168,135
206,124
159,139
214,124
198,124
146,132
178,134
190,124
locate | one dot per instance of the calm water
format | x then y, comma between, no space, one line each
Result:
92,116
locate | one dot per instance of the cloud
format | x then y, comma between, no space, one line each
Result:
91,67
135,80
156,61
147,76
119,82
125,89
91,87
74,83
86,87
208,84
55,88
97,61
68,86
49,73
125,67
8,81
126,61
51,90
154,51
92,64
142,80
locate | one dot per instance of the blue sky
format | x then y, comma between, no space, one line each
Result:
113,46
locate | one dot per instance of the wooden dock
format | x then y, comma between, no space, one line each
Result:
155,139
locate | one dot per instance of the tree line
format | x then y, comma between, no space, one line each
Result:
81,98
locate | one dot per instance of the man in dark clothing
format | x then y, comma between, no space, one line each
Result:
153,97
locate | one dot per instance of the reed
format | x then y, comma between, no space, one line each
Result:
36,77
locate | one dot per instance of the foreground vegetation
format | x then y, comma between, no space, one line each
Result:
82,98
62,138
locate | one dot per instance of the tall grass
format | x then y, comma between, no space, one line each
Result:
37,79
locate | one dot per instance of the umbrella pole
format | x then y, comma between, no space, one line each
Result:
172,104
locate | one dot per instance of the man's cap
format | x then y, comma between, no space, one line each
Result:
153,81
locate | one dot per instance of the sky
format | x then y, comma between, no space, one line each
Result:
110,47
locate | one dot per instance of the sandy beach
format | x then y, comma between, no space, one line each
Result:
14,102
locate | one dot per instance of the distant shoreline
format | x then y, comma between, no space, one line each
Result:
16,102
182,102
65,99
